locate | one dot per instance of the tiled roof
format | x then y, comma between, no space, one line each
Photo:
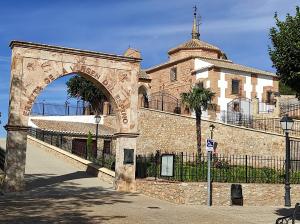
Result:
230,65
73,127
219,63
194,44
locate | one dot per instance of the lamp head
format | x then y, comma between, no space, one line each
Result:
97,118
286,123
211,127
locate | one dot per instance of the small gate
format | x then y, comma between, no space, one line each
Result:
165,102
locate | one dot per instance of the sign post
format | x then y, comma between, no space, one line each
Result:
209,149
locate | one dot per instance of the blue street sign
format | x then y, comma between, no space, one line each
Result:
209,145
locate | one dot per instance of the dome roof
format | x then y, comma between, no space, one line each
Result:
194,44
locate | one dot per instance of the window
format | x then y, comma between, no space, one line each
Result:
269,96
200,84
173,74
235,87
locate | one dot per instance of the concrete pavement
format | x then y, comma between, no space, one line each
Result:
57,192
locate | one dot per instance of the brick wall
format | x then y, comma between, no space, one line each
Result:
184,78
196,193
176,133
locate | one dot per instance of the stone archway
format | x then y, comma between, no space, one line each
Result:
143,96
34,66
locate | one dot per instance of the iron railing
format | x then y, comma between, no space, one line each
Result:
293,110
48,109
225,168
64,141
263,124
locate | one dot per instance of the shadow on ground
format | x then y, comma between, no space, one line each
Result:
287,211
49,199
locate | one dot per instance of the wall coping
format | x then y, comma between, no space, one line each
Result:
218,122
66,50
74,157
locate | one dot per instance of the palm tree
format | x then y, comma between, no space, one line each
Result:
197,99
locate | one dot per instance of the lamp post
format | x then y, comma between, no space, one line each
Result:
211,128
97,121
287,124
209,201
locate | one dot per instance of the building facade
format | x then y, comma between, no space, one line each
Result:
196,61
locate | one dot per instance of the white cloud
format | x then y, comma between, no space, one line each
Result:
55,89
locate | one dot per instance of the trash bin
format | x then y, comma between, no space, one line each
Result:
236,194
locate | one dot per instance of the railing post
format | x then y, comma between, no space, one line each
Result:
246,168
181,167
61,140
156,163
43,109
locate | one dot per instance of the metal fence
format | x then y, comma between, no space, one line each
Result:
47,109
293,110
65,141
225,168
263,124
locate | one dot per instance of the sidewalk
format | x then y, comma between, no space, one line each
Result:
59,193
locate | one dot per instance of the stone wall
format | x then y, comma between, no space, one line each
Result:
177,133
161,78
196,193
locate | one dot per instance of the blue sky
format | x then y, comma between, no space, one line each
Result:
239,27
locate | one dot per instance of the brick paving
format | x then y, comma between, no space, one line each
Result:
57,192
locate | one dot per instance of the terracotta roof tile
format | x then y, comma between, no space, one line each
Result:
230,65
194,44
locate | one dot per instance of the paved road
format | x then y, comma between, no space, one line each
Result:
57,192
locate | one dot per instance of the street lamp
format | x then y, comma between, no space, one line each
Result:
211,128
97,121
209,192
287,124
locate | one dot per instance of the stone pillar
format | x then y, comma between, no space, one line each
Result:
106,108
87,110
255,106
277,106
141,100
16,144
125,173
16,141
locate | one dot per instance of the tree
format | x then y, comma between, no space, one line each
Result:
197,99
89,145
285,90
83,89
285,51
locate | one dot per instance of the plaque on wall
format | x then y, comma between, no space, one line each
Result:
128,156
167,165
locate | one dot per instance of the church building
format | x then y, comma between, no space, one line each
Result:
196,61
